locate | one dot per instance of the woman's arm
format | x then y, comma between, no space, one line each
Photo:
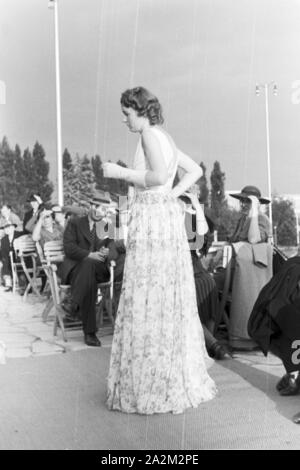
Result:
254,235
30,223
157,173
193,173
201,224
36,233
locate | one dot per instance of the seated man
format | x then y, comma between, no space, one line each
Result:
89,250
251,264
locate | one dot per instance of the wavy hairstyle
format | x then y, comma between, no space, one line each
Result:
144,103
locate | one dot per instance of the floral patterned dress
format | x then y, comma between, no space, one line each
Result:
158,358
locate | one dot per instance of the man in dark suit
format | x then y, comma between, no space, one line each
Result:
89,249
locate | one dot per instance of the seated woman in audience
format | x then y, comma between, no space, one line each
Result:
197,226
250,264
6,247
59,215
46,228
7,215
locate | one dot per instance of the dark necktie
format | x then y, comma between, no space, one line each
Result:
93,237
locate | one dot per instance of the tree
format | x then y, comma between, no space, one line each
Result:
227,222
79,182
121,185
204,191
22,175
7,173
20,181
67,160
284,220
28,169
218,200
98,172
41,183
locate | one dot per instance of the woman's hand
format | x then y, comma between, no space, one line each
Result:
194,199
254,206
45,213
112,170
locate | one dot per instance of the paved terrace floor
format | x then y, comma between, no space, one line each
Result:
53,396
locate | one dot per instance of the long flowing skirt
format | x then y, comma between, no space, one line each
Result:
158,359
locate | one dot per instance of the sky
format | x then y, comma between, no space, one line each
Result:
201,58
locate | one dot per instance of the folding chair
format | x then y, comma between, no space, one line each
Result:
25,250
50,304
53,254
106,297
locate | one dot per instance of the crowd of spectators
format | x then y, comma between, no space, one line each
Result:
94,237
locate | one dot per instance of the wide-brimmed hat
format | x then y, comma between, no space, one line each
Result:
100,197
251,191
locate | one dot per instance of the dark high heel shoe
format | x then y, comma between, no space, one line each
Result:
219,352
296,418
283,382
293,387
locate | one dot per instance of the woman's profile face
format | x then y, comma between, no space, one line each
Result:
48,220
134,122
245,206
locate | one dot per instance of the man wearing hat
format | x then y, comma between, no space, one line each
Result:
89,247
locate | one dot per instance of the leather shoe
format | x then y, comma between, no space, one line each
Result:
293,387
283,382
296,418
219,351
91,339
8,289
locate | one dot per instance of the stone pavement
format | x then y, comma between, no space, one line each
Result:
23,332
63,400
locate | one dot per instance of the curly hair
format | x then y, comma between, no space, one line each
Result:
144,103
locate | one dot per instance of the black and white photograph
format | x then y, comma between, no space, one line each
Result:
149,227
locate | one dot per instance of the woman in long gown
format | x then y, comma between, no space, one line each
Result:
158,353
